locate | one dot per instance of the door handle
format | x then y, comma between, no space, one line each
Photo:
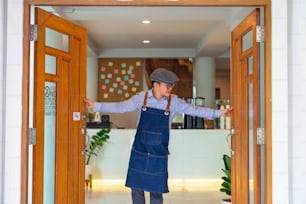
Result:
231,133
84,128
84,132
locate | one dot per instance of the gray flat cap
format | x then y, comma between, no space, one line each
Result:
164,75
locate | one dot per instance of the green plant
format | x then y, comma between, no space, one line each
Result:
95,144
226,185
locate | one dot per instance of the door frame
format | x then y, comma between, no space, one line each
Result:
266,4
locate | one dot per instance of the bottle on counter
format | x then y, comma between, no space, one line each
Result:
222,118
97,117
198,121
188,119
228,118
217,120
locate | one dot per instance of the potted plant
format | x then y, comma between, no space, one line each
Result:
96,142
226,184
90,116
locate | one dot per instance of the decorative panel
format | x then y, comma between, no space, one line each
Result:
119,79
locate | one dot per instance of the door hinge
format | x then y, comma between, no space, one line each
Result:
260,33
33,32
32,136
260,136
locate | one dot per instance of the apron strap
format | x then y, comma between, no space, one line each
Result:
144,106
168,106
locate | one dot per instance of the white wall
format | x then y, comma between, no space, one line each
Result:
296,136
92,78
2,28
288,99
12,100
280,102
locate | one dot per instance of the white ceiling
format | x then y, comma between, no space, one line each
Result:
185,31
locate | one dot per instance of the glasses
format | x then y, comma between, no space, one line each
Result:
168,86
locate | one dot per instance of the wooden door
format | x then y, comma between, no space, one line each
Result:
59,90
245,98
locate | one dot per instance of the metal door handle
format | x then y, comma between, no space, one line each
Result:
84,132
231,133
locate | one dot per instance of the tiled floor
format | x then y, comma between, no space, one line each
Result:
121,195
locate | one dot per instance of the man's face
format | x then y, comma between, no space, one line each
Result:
163,89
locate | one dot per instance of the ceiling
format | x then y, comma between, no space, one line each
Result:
180,31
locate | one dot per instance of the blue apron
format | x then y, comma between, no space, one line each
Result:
148,165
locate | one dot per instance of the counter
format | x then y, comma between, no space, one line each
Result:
195,154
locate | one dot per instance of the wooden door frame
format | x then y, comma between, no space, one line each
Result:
266,4
241,78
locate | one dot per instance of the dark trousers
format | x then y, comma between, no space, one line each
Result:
139,198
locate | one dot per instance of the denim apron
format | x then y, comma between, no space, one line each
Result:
148,165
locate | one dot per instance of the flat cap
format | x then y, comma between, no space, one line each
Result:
164,75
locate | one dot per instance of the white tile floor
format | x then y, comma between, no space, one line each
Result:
121,195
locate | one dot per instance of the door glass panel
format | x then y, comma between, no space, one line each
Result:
57,40
247,41
251,142
49,142
250,65
50,64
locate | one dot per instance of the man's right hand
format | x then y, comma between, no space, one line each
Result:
89,103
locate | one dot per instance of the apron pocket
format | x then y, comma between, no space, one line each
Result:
151,138
138,161
157,165
148,163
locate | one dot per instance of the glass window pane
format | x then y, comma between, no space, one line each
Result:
49,142
57,40
251,143
50,64
247,41
250,65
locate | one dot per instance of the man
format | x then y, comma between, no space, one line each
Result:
148,165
